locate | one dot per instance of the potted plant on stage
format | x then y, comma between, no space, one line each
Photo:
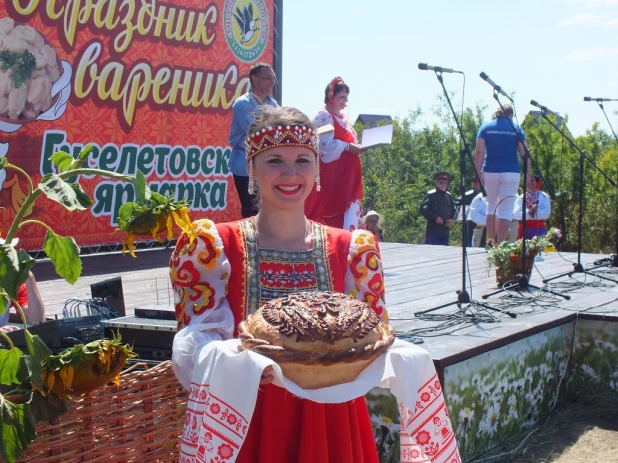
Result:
36,384
507,258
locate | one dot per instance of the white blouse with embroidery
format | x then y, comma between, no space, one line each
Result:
330,148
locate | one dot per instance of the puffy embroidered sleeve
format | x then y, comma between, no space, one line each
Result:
364,277
330,148
199,272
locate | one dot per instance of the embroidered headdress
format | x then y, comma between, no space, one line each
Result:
271,137
290,135
331,88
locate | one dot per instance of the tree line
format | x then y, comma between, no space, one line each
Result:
396,177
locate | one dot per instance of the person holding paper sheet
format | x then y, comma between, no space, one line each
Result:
338,204
227,271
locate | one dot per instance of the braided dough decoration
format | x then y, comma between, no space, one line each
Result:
319,339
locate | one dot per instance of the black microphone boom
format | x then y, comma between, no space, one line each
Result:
426,67
545,109
587,98
496,87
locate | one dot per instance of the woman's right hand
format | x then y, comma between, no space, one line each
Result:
355,148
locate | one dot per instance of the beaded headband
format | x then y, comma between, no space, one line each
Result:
281,136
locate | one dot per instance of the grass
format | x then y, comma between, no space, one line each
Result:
585,429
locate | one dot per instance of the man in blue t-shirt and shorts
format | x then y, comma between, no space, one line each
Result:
497,146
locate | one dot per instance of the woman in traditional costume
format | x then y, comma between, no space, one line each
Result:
226,271
338,204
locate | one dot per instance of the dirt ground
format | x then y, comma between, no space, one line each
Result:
576,432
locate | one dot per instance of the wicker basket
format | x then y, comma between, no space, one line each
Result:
510,274
140,420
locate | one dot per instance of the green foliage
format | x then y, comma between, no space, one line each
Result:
14,267
17,429
20,407
559,164
64,254
507,256
19,65
70,195
396,177
9,365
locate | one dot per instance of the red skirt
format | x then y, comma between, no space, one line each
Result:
287,429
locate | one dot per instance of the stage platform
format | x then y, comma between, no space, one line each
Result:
418,277
499,372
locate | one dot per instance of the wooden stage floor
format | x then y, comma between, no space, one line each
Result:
418,277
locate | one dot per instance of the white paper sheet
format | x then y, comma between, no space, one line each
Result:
378,136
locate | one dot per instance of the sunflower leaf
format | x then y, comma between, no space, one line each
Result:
142,192
64,254
157,198
61,160
46,408
3,302
17,429
39,353
14,268
81,157
70,195
9,365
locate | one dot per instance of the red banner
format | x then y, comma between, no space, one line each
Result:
148,84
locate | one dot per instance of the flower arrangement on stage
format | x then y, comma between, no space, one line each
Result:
553,237
37,385
507,257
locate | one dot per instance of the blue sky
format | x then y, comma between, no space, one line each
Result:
552,51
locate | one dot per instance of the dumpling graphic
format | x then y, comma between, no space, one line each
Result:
28,69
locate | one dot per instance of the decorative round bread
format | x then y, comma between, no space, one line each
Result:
319,339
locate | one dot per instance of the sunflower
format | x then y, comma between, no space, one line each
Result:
154,216
84,368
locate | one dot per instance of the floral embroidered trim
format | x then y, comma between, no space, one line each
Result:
285,272
323,269
251,276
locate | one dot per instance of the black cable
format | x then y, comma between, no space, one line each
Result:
73,308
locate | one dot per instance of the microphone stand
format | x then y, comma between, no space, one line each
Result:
463,297
613,258
522,282
578,267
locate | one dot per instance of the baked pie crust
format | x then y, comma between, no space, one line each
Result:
318,339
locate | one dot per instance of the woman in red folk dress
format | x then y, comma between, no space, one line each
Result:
229,269
338,204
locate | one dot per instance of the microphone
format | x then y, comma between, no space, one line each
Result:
587,98
496,87
545,109
426,67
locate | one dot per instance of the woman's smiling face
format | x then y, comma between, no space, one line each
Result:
285,176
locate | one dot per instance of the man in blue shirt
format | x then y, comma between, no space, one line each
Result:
263,81
497,145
